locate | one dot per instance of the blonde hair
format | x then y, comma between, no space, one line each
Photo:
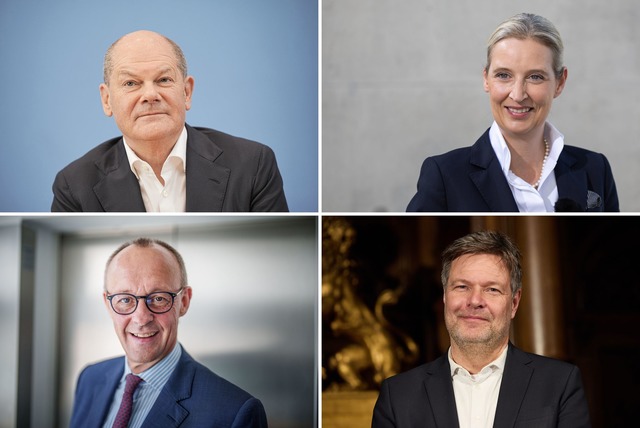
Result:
529,26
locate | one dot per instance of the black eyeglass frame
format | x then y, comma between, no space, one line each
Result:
146,301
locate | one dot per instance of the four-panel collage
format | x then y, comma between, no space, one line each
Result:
319,213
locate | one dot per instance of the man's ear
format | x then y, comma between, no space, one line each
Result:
515,302
189,83
104,97
185,300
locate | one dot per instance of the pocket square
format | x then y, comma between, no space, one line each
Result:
593,200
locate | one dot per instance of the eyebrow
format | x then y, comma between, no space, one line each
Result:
127,73
534,71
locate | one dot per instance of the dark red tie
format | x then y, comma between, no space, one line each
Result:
124,412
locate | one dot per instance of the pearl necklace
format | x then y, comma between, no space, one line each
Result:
544,161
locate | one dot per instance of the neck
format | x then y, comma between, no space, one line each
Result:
155,153
475,356
527,154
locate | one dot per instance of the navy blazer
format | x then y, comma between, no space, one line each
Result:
470,179
223,173
535,392
193,396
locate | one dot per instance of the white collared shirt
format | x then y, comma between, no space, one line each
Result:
527,197
477,395
172,197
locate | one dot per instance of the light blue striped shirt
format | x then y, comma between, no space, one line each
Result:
147,391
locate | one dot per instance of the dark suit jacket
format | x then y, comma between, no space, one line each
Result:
224,173
536,392
470,179
192,397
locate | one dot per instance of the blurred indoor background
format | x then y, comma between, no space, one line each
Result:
382,310
252,318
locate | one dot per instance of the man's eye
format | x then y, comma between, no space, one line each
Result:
129,83
124,300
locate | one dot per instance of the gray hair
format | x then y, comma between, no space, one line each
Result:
529,26
108,58
485,242
148,243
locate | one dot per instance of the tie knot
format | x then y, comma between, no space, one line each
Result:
131,384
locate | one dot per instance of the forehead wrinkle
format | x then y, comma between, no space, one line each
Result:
126,72
461,265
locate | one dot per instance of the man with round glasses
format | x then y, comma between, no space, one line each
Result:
157,383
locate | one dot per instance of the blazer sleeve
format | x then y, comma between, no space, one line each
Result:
611,194
63,200
251,415
573,411
382,412
431,195
268,192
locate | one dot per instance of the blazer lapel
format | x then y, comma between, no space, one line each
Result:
440,394
572,184
515,381
119,190
488,177
167,410
104,389
206,180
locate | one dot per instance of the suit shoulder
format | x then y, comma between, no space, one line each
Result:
455,156
542,361
207,381
92,370
89,159
103,365
582,152
228,141
415,376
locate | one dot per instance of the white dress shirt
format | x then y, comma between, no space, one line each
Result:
527,197
172,197
477,395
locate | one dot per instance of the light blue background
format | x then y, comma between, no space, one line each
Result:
255,64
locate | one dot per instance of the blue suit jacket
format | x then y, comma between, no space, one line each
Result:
536,392
223,173
193,396
471,180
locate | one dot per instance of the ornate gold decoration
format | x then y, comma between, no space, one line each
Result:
361,346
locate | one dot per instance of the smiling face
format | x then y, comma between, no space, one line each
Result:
478,302
146,92
146,337
522,84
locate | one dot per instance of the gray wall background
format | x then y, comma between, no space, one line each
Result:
403,80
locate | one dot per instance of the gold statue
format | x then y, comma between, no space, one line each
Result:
364,348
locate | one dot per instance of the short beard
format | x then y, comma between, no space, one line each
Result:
484,345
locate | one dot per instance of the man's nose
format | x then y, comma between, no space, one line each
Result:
142,315
150,92
476,298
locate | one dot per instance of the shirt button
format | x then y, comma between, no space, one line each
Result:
165,193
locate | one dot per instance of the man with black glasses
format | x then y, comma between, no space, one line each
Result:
157,383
